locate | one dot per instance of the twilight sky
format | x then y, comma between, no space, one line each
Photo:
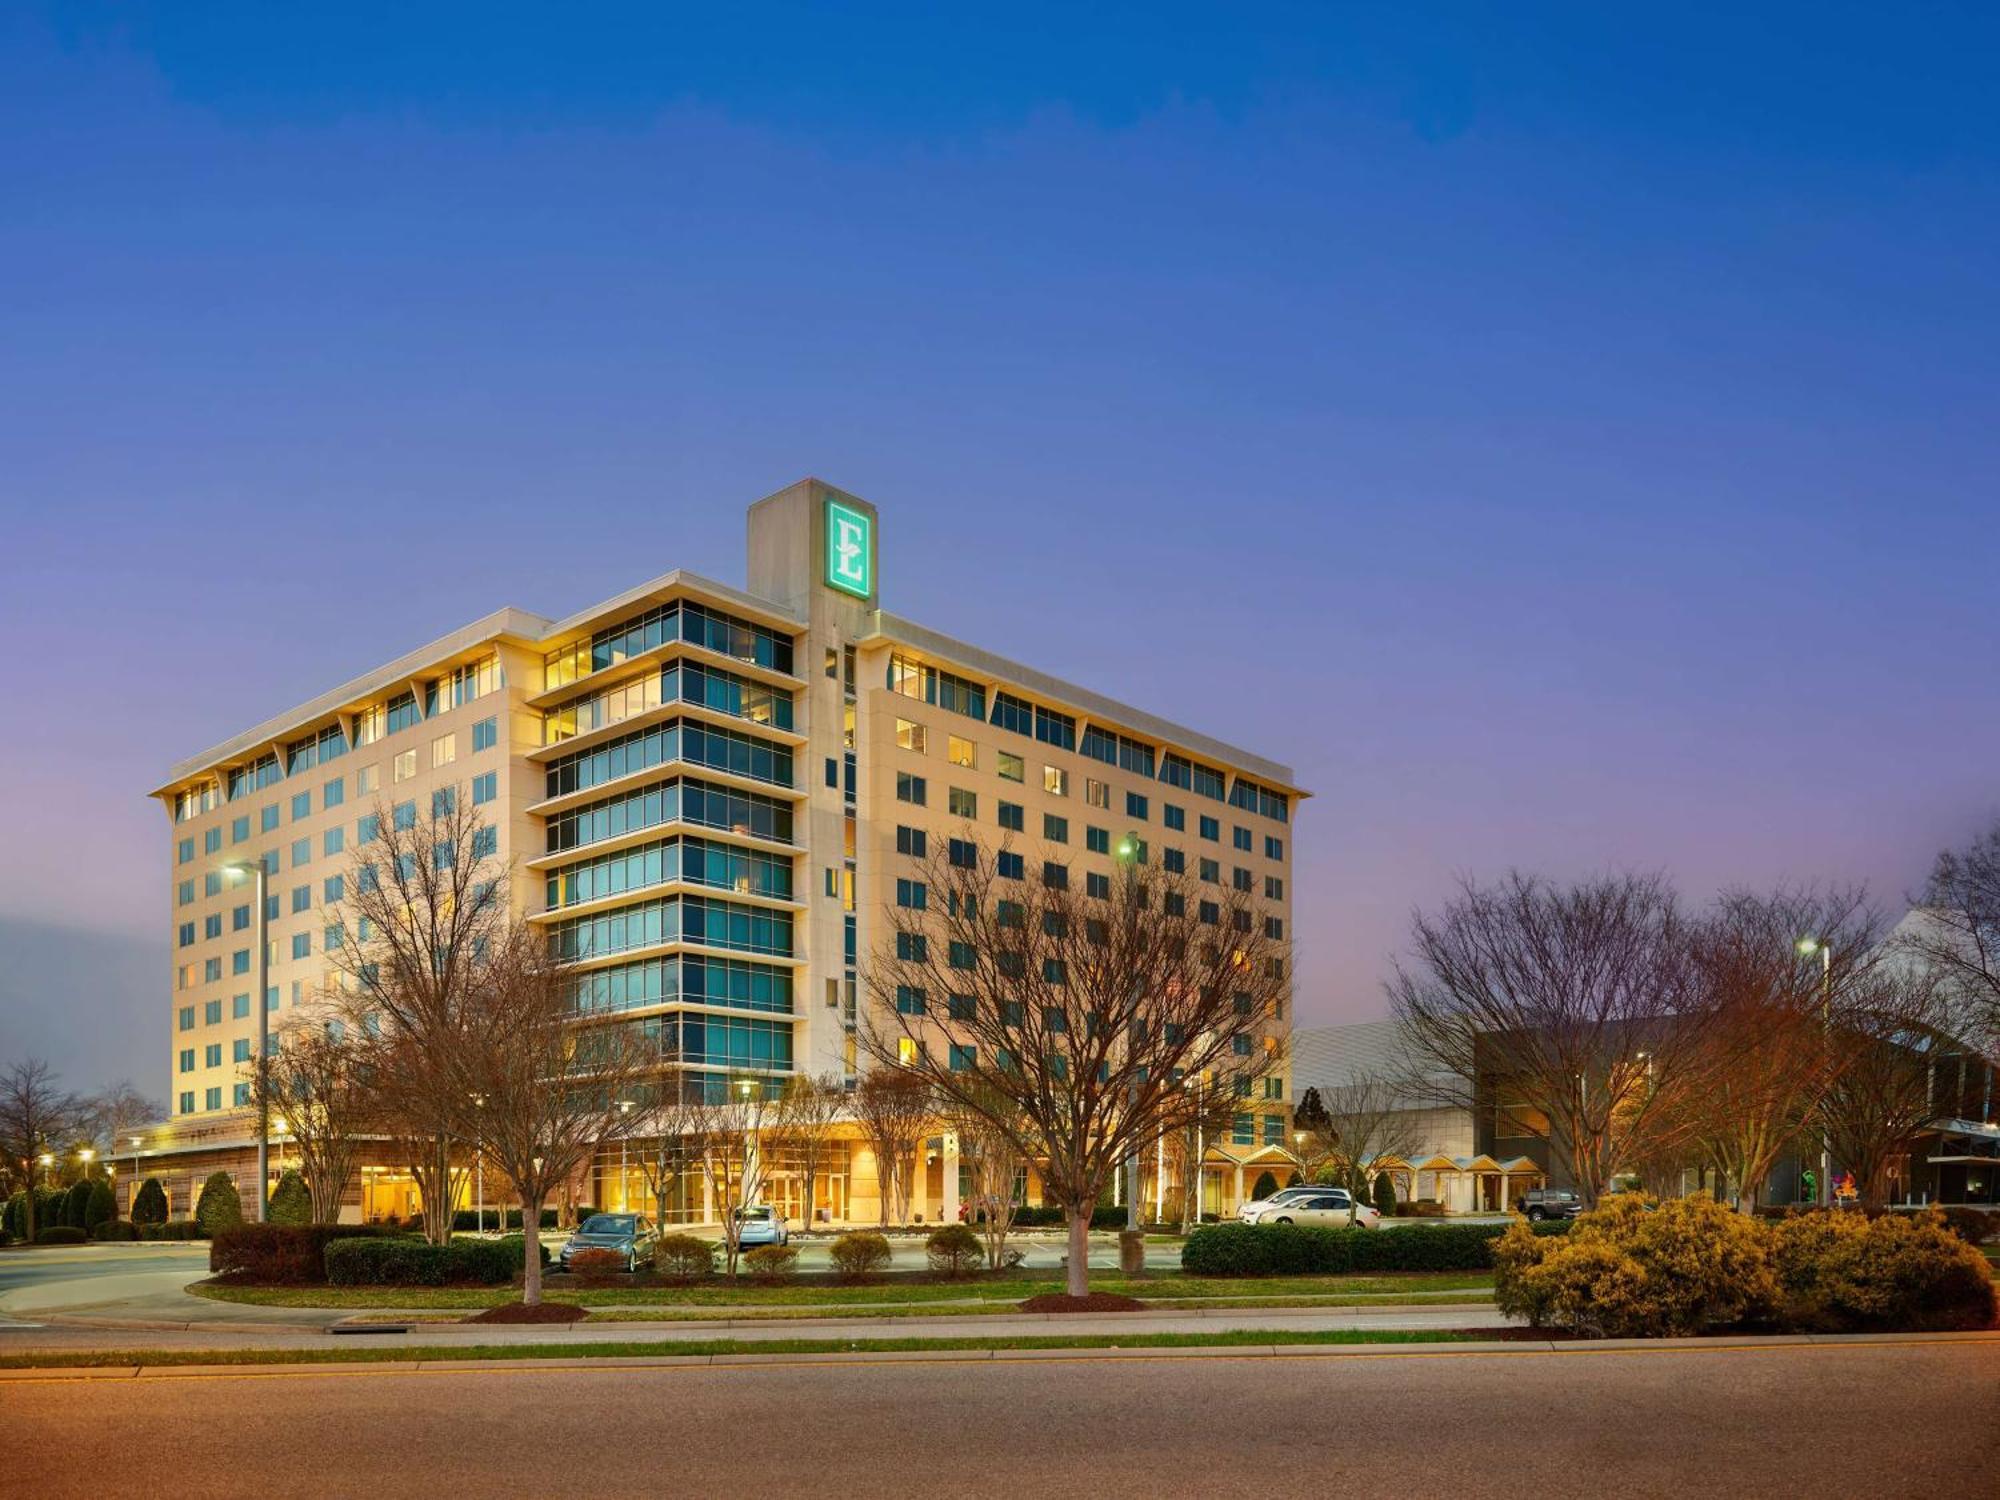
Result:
1567,436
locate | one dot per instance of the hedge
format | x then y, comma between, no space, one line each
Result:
179,1229
60,1234
280,1254
1049,1214
1326,1250
496,1218
115,1229
400,1261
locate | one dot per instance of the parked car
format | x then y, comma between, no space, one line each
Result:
1549,1203
762,1225
629,1235
1249,1211
1332,1206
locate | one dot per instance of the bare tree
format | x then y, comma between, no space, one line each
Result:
1956,932
1568,1009
549,1090
37,1117
113,1113
728,1129
895,1109
1773,969
1367,1119
1894,1023
803,1122
669,1120
424,907
992,1162
316,1085
1101,1018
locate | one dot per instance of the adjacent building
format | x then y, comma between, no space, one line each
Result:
706,794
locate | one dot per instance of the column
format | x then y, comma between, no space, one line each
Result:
1239,1187
920,1172
949,1212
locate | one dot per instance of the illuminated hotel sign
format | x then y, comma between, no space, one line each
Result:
850,550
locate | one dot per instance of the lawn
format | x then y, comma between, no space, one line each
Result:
1228,1338
804,1299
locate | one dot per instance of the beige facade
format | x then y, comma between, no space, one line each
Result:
715,773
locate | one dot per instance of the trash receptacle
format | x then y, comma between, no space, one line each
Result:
1131,1252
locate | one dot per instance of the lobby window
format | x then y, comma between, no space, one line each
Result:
1013,817
912,841
910,735
302,805
1055,829
1055,781
911,789
333,794
1274,848
962,802
1136,806
405,765
485,735
1012,767
961,752
444,750
1211,829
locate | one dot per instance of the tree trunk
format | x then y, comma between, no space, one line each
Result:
1077,1275
531,1252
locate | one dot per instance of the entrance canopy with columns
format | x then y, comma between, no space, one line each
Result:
1463,1184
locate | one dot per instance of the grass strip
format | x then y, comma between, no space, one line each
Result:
627,1349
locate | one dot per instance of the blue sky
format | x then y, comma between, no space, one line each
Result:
1563,434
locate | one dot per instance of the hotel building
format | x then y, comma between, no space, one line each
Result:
706,794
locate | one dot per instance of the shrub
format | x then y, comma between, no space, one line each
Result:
14,1219
149,1205
182,1229
1846,1273
859,1253
103,1205
596,1267
955,1250
498,1218
1332,1250
114,1229
771,1262
219,1207
1264,1186
517,1248
60,1234
682,1257
280,1254
76,1205
1385,1194
291,1202
401,1261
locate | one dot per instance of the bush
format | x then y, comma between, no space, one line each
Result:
955,1250
859,1253
1842,1272
498,1218
771,1262
14,1218
103,1205
682,1257
219,1206
76,1205
149,1205
1976,1226
280,1254
182,1229
114,1229
401,1261
596,1266
1635,1269
291,1203
1329,1250
1385,1194
60,1234
517,1248
1050,1215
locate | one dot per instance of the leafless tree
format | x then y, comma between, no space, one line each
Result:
1773,969
549,1090
423,909
1572,1003
991,1161
317,1086
1893,1024
1102,1018
895,1109
803,1122
1956,932
728,1130
115,1112
37,1116
1367,1119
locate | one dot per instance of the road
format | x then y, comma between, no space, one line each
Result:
1875,1420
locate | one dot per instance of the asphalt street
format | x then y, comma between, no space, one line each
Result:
1876,1420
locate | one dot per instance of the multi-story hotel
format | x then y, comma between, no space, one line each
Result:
706,795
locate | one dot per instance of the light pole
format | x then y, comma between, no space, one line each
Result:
624,1138
261,874
1128,853
1809,946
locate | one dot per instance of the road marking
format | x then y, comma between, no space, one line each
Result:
629,1364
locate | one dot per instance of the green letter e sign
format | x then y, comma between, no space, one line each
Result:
850,555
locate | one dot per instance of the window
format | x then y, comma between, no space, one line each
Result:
1013,817
964,854
333,841
910,1001
186,1106
368,829
1239,878
1097,793
1274,888
444,750
1097,886
185,851
485,787
267,819
239,961
910,735
1274,929
961,752
302,805
302,899
912,841
184,893
368,779
1052,728
1097,840
1274,848
1240,838
1055,829
1175,817
302,945
1136,806
211,841
211,1055
1211,871
485,735
239,829
302,852
962,803
910,789
1012,767
912,894
239,1007
186,934
186,1060
187,1018
906,1051
240,1051
1055,876
911,947
1209,912
333,794
1211,830
1010,865
1055,781
211,970
212,1099
211,925
404,816
1175,860
405,765
963,1059
443,801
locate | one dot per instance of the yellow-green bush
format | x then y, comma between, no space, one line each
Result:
1846,1273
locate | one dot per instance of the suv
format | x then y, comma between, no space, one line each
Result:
1549,1203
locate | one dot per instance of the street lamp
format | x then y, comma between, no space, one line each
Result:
261,874
1808,946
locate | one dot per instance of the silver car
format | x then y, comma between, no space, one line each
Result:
761,1225
1249,1212
629,1235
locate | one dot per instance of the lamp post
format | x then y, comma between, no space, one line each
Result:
261,874
1808,946
1128,854
624,1139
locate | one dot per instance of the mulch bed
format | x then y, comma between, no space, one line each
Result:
520,1312
1096,1302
